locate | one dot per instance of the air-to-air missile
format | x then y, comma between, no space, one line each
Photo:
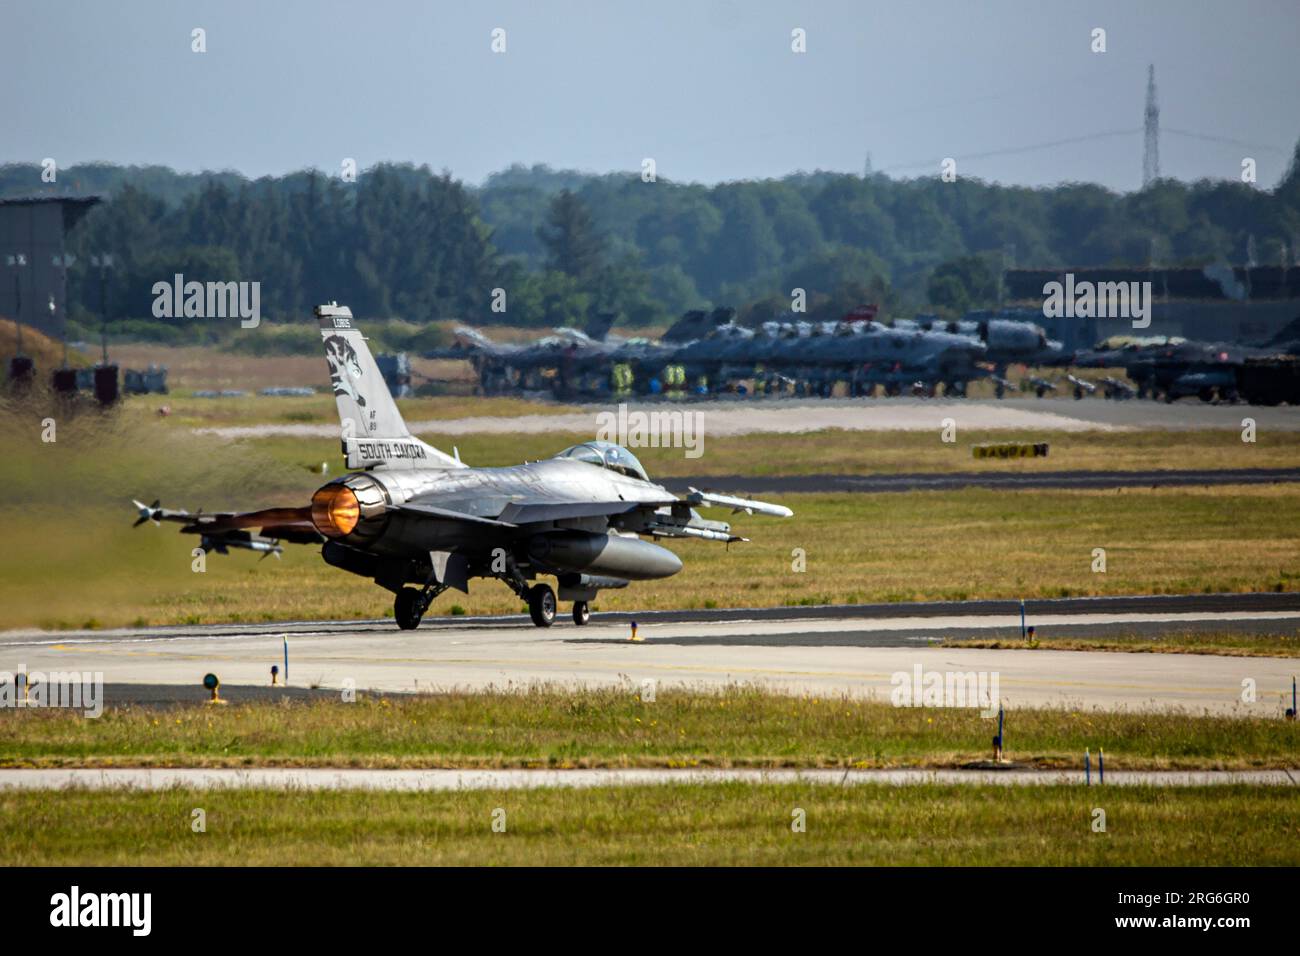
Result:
1041,386
1082,387
1116,388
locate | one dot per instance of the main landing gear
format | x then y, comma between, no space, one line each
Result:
411,603
541,605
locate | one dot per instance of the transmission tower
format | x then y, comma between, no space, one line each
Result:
1151,148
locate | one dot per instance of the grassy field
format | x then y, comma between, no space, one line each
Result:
85,566
706,824
562,728
840,452
186,411
81,564
1228,643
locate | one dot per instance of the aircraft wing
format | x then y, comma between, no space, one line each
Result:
679,519
668,517
450,514
527,512
516,511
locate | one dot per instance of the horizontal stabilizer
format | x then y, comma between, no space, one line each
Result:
230,529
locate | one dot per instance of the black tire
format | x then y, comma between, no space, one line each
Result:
581,613
406,609
541,605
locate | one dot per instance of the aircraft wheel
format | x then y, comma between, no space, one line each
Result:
541,605
407,610
581,613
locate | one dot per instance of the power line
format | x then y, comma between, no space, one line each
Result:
1087,137
1226,140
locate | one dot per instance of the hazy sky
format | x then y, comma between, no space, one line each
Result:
710,89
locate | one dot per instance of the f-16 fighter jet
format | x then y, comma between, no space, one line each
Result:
418,521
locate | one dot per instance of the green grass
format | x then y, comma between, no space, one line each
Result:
557,728
187,410
1224,643
81,564
695,824
836,451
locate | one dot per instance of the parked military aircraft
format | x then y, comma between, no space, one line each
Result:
1008,341
409,514
1173,368
568,363
711,352
856,350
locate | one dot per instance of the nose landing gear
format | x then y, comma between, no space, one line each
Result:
581,613
410,604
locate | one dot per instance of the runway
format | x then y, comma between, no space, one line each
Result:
820,651
426,781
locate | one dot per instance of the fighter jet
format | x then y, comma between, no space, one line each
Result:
418,521
1173,368
569,363
856,350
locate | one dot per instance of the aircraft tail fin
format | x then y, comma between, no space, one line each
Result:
374,434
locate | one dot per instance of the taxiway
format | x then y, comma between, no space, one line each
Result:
834,650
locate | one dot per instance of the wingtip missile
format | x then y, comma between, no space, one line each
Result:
157,514
748,505
144,511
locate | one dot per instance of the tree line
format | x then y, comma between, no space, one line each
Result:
533,246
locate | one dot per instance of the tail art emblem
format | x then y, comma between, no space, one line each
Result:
345,369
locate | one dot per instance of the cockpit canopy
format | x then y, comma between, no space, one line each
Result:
606,454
